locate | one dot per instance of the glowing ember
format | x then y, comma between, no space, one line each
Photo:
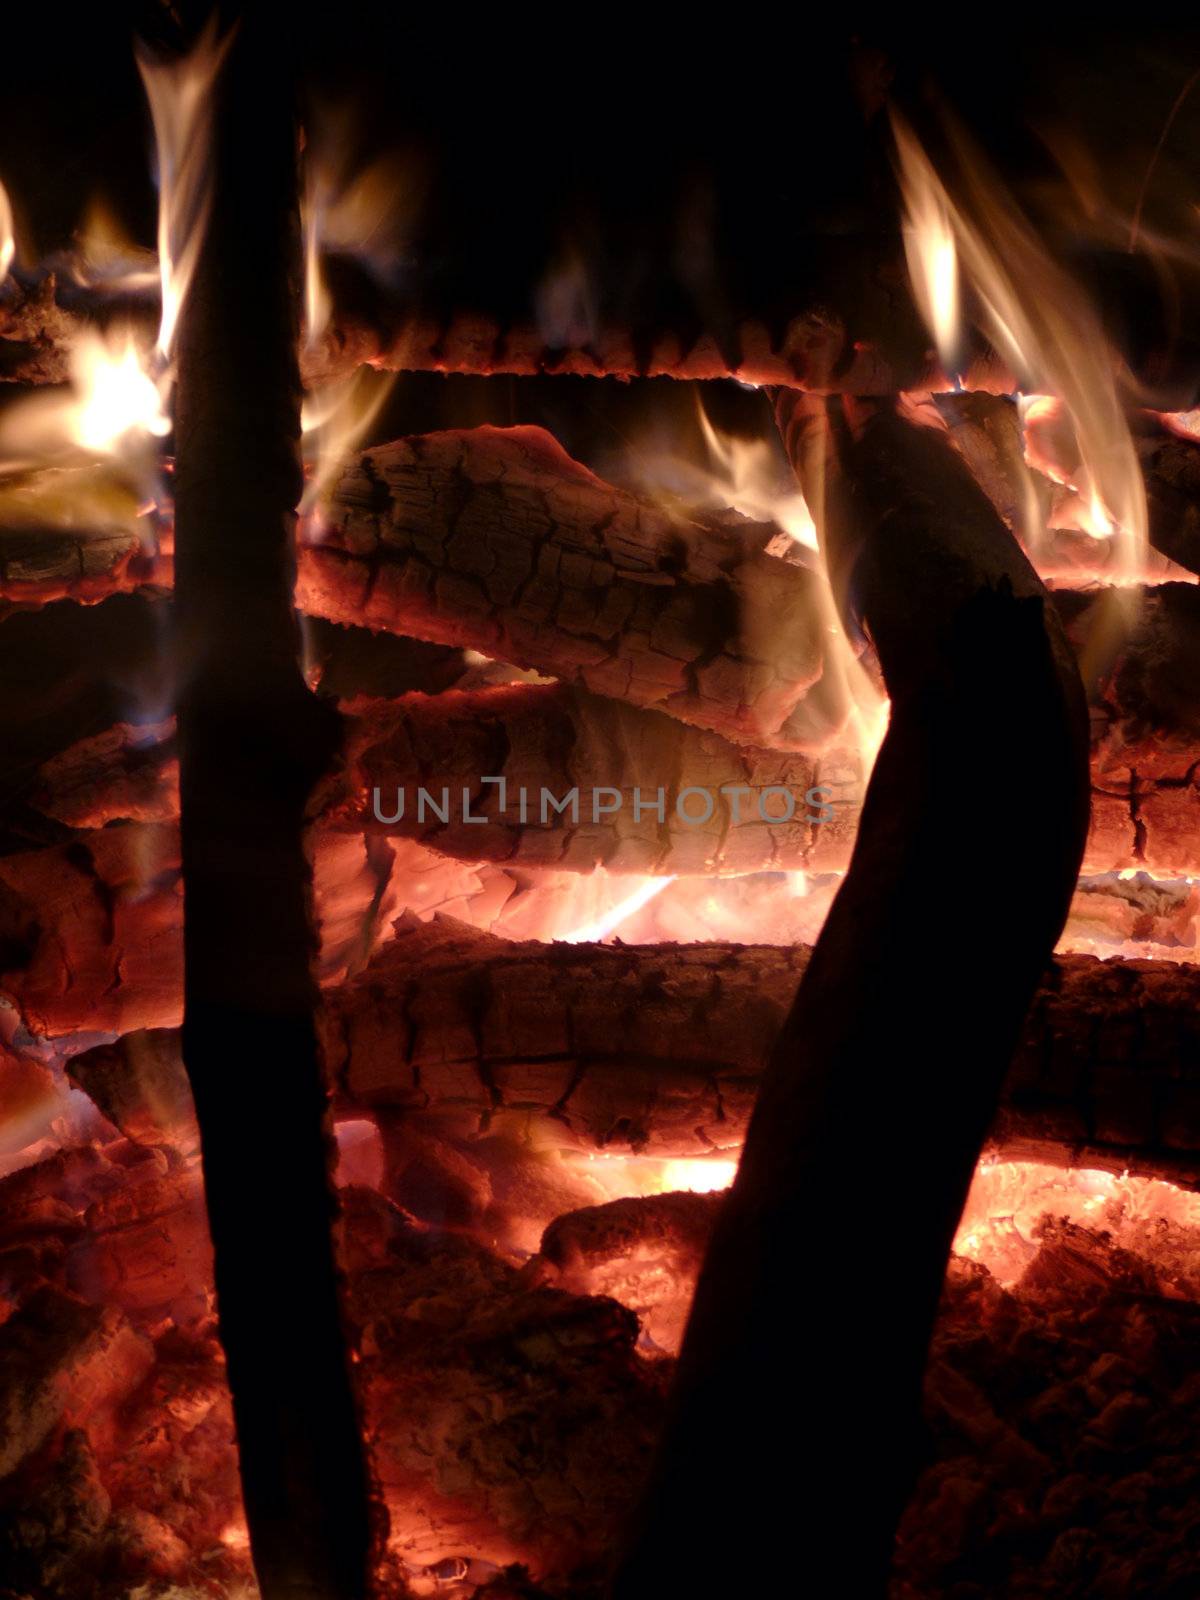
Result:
1009,1198
702,1176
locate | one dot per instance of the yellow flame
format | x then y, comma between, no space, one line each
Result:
333,420
318,307
112,409
930,249
337,415
106,255
8,238
592,932
1039,321
180,94
115,395
701,1175
743,475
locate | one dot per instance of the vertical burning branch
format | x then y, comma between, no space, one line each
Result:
252,742
896,1045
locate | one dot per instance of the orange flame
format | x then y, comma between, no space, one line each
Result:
8,239
113,409
600,927
930,250
1034,314
337,415
334,418
105,255
115,397
745,475
180,95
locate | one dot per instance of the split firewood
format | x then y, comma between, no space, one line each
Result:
128,773
658,1051
643,1252
76,534
91,930
540,737
496,541
816,351
543,775
536,775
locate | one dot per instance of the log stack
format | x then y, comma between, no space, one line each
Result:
504,1091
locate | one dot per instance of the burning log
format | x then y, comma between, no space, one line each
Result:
970,653
90,932
643,1252
39,324
659,1051
128,773
496,541
532,774
816,353
1145,749
544,775
988,433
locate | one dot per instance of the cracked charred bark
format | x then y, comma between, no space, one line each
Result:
497,541
252,741
908,1054
660,1049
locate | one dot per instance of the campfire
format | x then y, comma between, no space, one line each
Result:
598,890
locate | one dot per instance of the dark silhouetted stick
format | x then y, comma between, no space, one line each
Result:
796,1400
252,742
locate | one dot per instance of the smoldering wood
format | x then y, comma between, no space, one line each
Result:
548,739
818,351
659,1050
425,755
252,741
40,320
496,541
1145,753
41,562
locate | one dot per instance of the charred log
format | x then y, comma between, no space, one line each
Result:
659,1051
496,541
816,351
617,777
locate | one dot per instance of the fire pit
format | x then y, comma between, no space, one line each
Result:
598,987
